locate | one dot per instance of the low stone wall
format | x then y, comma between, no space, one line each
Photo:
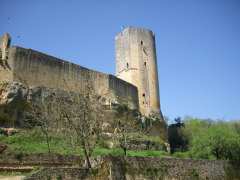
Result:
136,168
20,159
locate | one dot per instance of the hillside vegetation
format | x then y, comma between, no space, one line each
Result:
205,139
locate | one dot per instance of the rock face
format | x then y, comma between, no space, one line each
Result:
18,106
17,102
13,98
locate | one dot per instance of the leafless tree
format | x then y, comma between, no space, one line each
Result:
43,112
127,122
84,119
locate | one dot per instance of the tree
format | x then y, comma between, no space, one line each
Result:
210,139
43,111
127,121
176,137
84,116
218,142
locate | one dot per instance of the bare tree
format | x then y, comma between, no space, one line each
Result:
43,111
127,121
84,119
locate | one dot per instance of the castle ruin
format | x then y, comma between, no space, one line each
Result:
135,83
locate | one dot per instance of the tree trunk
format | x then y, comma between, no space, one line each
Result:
86,155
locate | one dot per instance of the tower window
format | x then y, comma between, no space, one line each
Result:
141,42
143,94
127,65
145,63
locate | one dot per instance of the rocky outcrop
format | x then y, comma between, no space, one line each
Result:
17,103
13,98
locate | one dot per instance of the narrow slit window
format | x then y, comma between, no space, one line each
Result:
145,63
127,65
141,42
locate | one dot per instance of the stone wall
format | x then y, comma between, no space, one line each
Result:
136,168
33,68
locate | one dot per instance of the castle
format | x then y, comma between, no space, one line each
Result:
135,83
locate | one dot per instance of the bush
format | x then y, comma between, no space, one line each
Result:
218,142
212,140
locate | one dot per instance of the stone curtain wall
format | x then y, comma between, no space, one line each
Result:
34,68
37,69
124,92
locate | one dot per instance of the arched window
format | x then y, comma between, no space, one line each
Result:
145,63
127,65
141,42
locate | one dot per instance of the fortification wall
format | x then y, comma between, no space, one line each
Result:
34,68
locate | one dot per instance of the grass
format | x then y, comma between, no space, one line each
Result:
147,153
119,152
33,142
143,137
6,173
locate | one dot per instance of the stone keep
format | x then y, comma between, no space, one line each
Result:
136,63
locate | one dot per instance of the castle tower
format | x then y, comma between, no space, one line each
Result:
5,41
136,63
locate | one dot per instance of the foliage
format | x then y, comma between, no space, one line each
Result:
175,136
218,141
210,139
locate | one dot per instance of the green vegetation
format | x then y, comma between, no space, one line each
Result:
205,139
12,173
33,141
120,152
193,138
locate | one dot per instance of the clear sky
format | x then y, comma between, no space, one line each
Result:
198,44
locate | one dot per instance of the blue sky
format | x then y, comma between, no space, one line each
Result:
198,44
